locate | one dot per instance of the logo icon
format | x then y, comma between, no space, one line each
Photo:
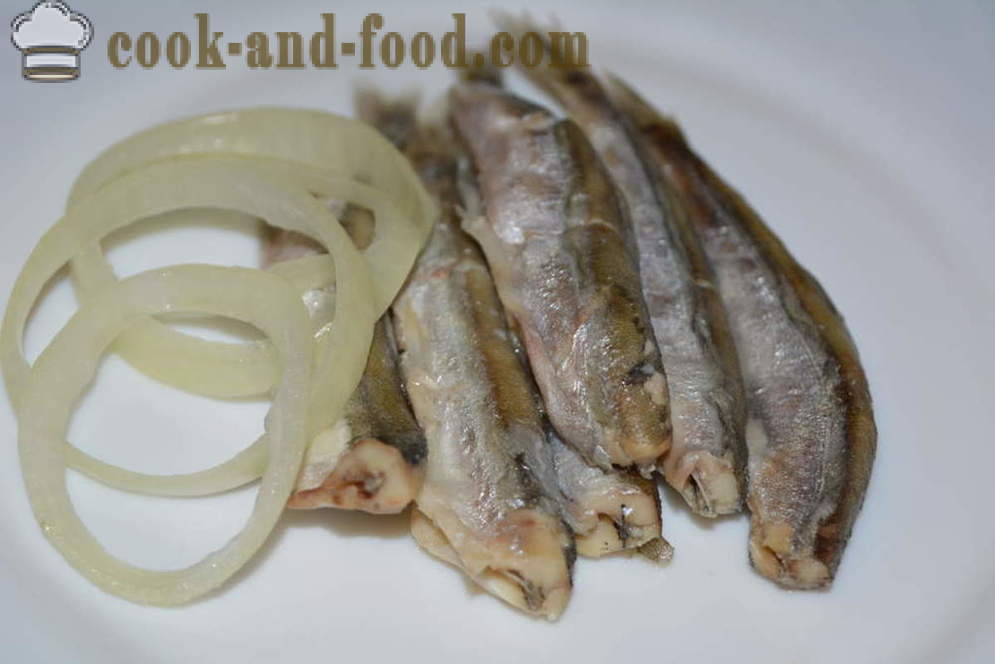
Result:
50,36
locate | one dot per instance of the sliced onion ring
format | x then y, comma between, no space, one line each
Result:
333,143
215,182
271,164
306,273
69,363
220,369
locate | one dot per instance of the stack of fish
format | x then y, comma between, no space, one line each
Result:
595,305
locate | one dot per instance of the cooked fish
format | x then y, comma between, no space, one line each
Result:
379,467
706,461
482,507
373,458
810,431
561,251
608,510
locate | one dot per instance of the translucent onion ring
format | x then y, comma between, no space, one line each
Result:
69,363
209,182
220,369
329,142
307,273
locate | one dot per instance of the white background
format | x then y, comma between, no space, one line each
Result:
861,131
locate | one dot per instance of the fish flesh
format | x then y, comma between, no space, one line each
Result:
707,457
482,507
810,432
562,255
608,510
372,459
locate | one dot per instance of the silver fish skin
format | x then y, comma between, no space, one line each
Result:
561,251
482,506
810,432
372,459
706,462
607,510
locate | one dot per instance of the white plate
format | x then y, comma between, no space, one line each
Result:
863,134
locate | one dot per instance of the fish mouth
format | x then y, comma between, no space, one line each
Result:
621,521
775,557
525,563
709,485
371,476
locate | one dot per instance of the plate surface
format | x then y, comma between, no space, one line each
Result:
861,133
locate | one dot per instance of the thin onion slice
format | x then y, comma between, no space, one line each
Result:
304,274
239,185
245,467
69,363
207,183
333,143
220,369
269,164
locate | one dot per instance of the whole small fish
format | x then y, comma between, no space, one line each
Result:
810,432
706,461
561,251
372,459
483,506
608,510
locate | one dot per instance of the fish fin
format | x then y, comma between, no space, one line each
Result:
395,116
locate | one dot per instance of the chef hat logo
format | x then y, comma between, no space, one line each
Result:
50,36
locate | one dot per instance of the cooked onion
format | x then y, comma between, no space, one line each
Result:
355,163
221,369
215,182
269,164
68,364
213,368
210,182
